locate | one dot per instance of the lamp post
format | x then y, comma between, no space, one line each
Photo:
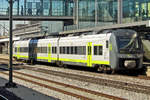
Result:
10,83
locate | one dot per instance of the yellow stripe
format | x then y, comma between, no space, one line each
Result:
98,45
44,58
15,55
21,56
101,62
69,60
89,56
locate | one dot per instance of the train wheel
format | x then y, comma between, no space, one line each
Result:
100,69
32,62
108,70
65,66
59,63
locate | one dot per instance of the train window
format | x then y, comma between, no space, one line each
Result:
52,49
61,50
79,50
107,44
22,49
44,49
26,49
98,50
95,50
75,50
55,50
67,50
71,50
39,49
84,50
15,49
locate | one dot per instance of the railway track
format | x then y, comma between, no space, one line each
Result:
90,93
138,77
99,81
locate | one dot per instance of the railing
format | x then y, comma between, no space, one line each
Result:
35,12
83,25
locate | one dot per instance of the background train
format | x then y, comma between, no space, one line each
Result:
110,50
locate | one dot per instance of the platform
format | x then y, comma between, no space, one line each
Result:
21,93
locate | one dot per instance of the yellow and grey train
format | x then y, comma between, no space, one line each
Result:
119,49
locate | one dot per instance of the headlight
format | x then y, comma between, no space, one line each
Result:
130,63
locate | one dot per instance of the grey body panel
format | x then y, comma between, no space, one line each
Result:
113,52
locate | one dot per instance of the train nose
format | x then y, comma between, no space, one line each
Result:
130,64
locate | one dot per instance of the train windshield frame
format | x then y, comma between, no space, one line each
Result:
129,44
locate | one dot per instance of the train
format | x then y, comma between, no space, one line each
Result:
107,51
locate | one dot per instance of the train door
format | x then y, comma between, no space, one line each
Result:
35,49
89,54
30,49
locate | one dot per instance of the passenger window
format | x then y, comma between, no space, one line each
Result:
71,50
67,50
75,49
107,44
98,50
44,49
95,50
55,49
63,50
15,49
52,49
60,50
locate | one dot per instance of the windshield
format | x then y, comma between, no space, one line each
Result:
128,43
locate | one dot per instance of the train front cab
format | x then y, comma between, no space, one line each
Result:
126,51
